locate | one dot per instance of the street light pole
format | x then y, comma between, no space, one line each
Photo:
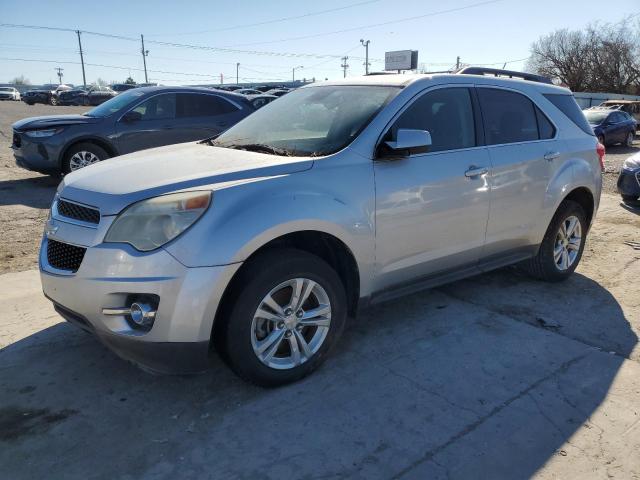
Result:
365,44
293,73
238,73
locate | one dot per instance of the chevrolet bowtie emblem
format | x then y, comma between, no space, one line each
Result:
50,228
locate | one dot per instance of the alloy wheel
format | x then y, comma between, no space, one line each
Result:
567,244
82,159
291,323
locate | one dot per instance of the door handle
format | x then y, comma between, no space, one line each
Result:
549,156
474,171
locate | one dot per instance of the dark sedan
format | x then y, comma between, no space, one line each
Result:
91,95
629,179
611,126
48,96
134,120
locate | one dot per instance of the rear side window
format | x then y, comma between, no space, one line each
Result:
509,117
448,116
545,127
202,105
567,105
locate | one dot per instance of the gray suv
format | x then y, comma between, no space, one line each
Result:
260,243
134,120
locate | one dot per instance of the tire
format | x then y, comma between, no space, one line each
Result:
29,103
237,340
53,100
629,140
544,265
601,139
90,148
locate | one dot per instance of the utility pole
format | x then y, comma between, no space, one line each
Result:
144,59
238,73
344,65
221,79
84,78
293,73
59,70
365,44
457,63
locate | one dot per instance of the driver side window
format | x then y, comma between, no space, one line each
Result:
160,107
447,114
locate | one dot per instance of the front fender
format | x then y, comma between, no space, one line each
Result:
245,217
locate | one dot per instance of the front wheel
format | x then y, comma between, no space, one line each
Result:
286,318
82,155
53,101
562,246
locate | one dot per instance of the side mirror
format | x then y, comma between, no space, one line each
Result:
132,116
407,142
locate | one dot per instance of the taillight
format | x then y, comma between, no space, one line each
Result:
600,150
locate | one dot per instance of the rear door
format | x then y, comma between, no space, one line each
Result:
155,127
432,208
202,115
524,152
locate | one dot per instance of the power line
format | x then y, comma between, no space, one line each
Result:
371,25
267,22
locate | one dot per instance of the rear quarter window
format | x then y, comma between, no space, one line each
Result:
568,106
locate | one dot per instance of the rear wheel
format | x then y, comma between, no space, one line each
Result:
601,140
629,140
82,155
562,246
286,318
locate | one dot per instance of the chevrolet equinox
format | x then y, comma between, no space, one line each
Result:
260,242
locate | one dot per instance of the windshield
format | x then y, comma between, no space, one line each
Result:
115,104
596,118
311,121
6,89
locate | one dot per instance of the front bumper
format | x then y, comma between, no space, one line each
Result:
110,274
40,155
629,182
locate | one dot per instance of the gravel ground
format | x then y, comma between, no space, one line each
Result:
26,196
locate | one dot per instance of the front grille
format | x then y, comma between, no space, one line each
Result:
17,141
78,212
64,256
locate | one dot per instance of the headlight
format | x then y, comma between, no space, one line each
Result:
42,133
151,223
632,162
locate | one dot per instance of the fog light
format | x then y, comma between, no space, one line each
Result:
142,314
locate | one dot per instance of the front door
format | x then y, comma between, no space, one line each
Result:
432,208
154,128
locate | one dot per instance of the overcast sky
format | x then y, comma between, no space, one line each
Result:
269,38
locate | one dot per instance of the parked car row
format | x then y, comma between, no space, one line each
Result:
79,95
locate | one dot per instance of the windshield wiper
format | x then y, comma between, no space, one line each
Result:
258,147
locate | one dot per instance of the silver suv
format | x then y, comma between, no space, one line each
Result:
259,243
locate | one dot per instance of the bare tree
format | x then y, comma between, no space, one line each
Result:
21,80
602,58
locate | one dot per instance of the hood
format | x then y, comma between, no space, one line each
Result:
53,121
116,183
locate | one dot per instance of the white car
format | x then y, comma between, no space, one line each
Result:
9,93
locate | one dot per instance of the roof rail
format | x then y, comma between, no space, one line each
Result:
497,72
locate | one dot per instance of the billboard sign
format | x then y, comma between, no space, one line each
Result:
401,60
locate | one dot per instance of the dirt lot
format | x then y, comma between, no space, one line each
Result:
26,196
497,376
